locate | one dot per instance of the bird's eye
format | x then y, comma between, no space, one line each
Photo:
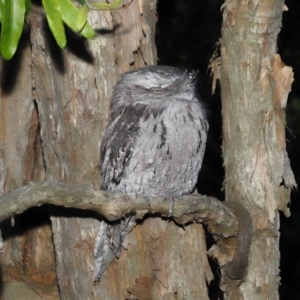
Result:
155,89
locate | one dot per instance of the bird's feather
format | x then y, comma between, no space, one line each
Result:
153,145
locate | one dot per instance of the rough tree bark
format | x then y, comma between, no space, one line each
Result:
255,85
27,269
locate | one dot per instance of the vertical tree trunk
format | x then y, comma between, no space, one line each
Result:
255,84
27,268
72,91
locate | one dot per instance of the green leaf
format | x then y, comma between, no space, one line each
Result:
82,2
12,26
54,18
2,9
27,6
82,17
70,15
105,6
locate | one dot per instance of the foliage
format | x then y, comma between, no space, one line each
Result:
58,13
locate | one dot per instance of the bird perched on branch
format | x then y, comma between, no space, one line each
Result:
153,146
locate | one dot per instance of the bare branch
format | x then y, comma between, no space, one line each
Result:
112,206
221,221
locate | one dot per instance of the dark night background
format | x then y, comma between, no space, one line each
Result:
187,32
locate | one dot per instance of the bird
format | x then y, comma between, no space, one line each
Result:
153,145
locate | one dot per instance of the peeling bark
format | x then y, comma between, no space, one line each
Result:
255,84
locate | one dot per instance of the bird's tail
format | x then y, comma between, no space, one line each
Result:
109,243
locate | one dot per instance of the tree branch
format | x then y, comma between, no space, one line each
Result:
112,206
221,221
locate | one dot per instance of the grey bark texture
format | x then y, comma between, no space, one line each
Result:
255,85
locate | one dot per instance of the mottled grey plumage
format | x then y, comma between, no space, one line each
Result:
153,145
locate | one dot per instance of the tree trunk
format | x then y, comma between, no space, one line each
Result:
62,110
27,256
255,84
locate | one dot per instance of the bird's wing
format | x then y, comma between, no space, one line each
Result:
122,130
